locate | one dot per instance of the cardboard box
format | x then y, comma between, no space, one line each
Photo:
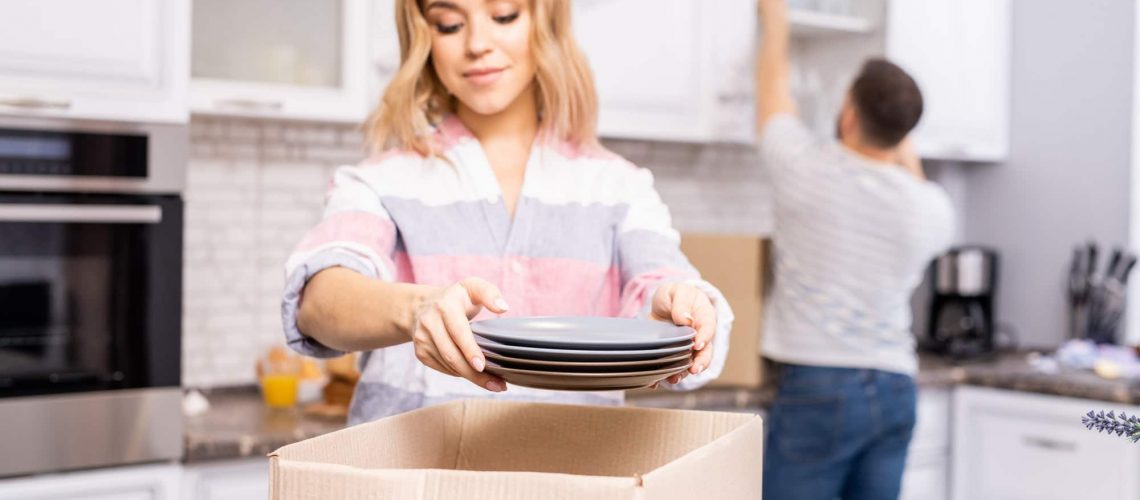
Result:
737,265
734,263
485,449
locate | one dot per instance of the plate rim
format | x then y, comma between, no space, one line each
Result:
670,358
478,328
675,368
584,352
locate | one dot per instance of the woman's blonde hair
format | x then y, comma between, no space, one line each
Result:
416,99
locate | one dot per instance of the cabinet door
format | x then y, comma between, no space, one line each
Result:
959,52
230,480
927,473
150,482
289,59
660,64
1010,445
111,59
926,477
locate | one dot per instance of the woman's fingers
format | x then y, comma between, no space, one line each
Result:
481,293
704,321
682,307
452,356
458,327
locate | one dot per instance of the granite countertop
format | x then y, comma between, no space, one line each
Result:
238,424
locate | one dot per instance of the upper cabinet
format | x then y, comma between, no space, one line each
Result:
105,60
959,52
676,70
285,59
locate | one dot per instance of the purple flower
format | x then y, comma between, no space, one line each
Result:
1121,425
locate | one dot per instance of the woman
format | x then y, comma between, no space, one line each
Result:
489,194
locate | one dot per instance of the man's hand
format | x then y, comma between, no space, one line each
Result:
905,156
773,90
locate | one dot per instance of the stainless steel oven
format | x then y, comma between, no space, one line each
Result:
90,293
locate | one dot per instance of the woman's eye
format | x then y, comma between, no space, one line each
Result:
448,29
507,19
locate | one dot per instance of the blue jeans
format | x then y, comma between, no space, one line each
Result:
837,433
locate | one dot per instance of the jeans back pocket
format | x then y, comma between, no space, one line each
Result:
806,428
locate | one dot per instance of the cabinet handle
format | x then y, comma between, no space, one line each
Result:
97,214
251,104
1049,444
35,103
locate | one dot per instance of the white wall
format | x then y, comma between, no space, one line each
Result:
1067,178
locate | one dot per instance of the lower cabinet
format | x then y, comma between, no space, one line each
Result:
145,482
226,480
927,473
1013,445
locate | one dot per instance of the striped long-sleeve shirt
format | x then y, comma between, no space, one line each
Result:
589,237
852,238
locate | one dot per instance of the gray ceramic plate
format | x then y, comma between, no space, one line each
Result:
584,366
579,354
584,381
582,332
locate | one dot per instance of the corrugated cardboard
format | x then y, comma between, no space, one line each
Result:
736,265
484,449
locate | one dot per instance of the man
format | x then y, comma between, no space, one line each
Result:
856,223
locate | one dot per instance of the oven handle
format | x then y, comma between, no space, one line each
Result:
101,214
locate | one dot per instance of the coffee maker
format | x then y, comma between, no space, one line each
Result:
963,284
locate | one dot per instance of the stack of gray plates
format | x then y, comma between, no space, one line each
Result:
583,353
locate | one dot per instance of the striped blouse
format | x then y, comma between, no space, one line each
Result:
589,237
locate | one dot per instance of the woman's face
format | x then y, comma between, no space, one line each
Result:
481,50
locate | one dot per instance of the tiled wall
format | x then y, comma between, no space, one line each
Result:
255,187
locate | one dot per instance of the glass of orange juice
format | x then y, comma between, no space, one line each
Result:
279,373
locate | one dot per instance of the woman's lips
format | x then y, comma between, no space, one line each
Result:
485,76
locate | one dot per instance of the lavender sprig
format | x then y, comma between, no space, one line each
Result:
1121,425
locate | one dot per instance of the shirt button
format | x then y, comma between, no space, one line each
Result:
517,267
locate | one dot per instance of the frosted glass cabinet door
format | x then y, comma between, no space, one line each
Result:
959,52
108,60
301,59
663,67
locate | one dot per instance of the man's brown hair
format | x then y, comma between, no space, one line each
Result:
887,101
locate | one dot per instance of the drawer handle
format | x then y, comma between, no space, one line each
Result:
250,104
1049,444
35,103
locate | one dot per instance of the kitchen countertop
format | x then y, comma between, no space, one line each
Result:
238,424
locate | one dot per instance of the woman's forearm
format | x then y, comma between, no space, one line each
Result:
346,311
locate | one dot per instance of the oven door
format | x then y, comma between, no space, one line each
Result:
90,293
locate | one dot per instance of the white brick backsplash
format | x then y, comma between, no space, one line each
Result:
255,188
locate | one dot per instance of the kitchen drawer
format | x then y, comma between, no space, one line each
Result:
1010,445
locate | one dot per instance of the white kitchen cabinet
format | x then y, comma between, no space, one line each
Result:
959,52
147,482
227,480
1012,445
107,60
927,473
671,70
294,59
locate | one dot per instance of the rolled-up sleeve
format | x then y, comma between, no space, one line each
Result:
355,232
649,253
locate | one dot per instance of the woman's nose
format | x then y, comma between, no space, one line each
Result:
478,42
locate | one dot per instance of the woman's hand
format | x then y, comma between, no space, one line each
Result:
686,305
442,333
